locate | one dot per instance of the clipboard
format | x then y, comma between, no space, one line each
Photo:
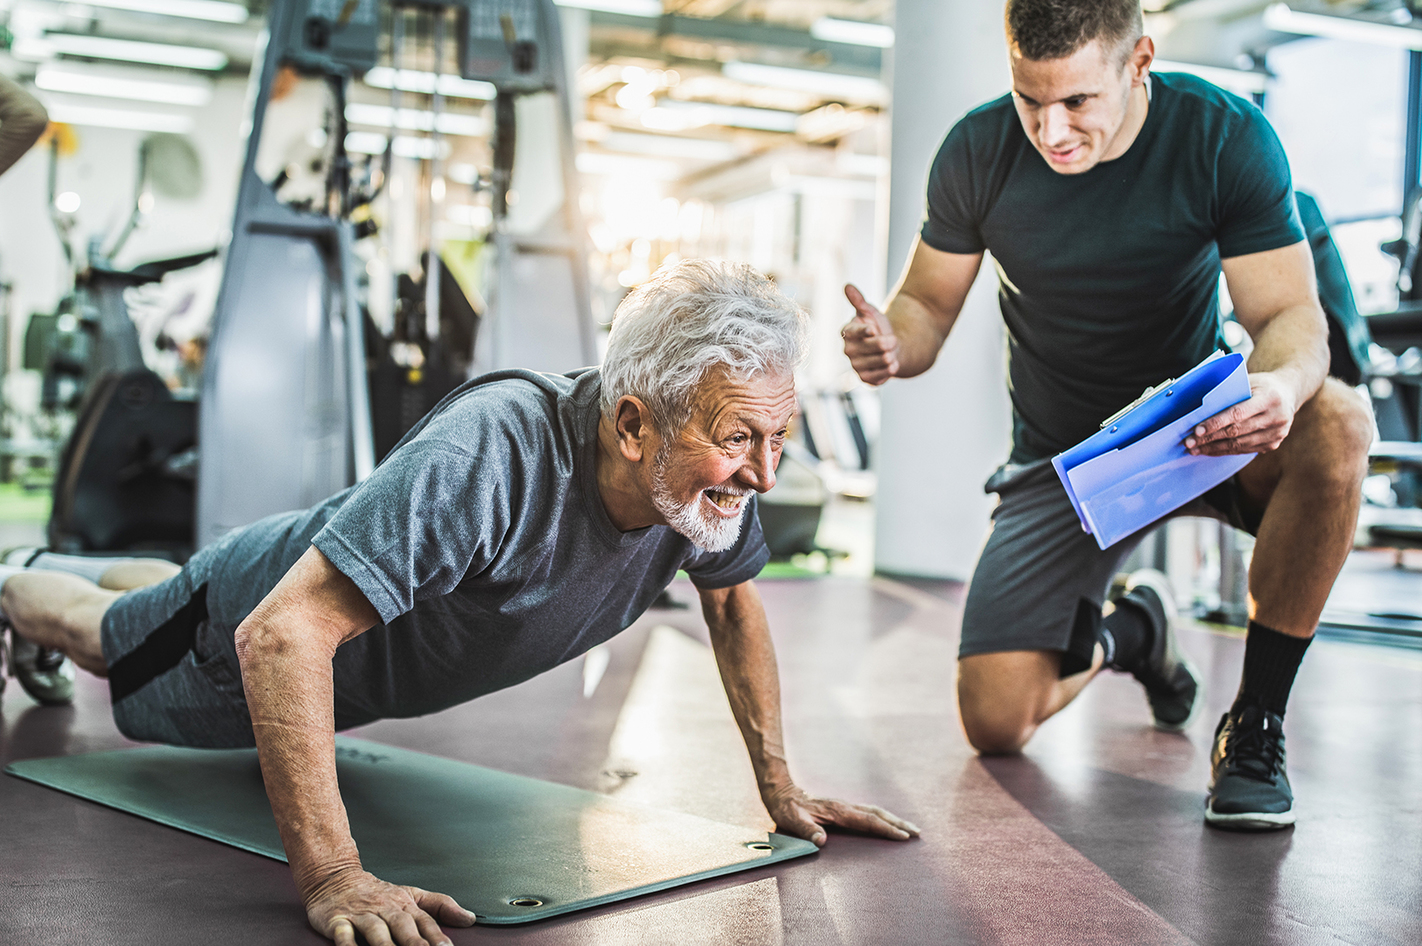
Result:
1136,469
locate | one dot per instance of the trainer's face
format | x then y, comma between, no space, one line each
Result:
703,478
1075,109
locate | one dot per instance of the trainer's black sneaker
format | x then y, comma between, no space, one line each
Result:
46,675
1249,785
1171,683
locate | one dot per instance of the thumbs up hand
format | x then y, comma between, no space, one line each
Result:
869,340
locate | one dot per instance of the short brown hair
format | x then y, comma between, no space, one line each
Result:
1055,29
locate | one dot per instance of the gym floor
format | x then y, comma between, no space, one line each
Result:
1093,836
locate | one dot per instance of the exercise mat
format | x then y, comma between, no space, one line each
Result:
509,848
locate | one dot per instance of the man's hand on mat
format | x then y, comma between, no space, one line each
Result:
354,901
869,340
805,816
1256,425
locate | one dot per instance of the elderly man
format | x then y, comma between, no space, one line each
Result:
1111,200
526,519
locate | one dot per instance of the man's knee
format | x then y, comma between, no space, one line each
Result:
1001,696
1338,429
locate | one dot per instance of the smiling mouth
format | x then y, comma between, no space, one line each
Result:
730,502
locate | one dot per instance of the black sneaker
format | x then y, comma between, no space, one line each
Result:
1249,785
1171,683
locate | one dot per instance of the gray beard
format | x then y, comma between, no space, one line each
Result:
687,519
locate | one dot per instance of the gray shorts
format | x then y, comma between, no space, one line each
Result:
173,675
1041,581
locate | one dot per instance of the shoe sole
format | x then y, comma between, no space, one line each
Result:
1158,582
1195,707
1249,820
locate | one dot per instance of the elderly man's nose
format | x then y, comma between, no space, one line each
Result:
760,468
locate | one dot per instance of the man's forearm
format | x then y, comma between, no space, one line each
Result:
1293,345
917,330
740,637
290,698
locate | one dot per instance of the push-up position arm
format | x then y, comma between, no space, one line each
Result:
740,637
285,648
1276,301
904,339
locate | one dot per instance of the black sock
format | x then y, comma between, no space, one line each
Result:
1270,661
1126,636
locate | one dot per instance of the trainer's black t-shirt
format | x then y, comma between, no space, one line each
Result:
1108,280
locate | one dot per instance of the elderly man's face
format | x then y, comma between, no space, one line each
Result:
727,450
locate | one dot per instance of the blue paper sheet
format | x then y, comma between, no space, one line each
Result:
1136,469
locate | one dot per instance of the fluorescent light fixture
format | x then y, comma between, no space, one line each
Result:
853,32
406,146
670,146
828,84
72,114
214,10
127,50
1279,16
682,115
410,80
625,7
1241,81
142,86
616,165
410,119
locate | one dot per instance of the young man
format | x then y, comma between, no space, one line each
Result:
1111,200
526,519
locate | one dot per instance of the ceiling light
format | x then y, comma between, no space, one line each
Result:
1279,16
625,7
827,84
127,50
672,115
169,89
410,119
853,32
670,146
71,114
644,169
214,10
1239,81
383,77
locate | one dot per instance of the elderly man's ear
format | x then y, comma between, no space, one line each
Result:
635,433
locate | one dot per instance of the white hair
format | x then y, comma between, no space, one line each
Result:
689,319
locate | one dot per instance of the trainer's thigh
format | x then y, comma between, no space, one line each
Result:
1040,581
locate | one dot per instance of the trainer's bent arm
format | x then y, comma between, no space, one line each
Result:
285,648
1276,301
740,637
904,340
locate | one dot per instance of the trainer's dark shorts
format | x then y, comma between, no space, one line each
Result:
173,674
1041,581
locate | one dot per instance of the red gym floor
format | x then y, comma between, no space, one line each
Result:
1094,835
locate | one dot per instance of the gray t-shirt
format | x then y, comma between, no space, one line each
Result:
483,543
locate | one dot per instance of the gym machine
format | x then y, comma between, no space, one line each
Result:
287,415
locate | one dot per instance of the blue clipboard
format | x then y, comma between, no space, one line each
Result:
1136,469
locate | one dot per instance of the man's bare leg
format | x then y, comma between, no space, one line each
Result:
1310,489
1003,697
59,612
128,574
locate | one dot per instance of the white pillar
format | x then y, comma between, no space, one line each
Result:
943,433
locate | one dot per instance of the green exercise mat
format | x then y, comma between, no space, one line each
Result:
509,848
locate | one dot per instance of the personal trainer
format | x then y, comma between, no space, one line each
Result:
1110,200
526,519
